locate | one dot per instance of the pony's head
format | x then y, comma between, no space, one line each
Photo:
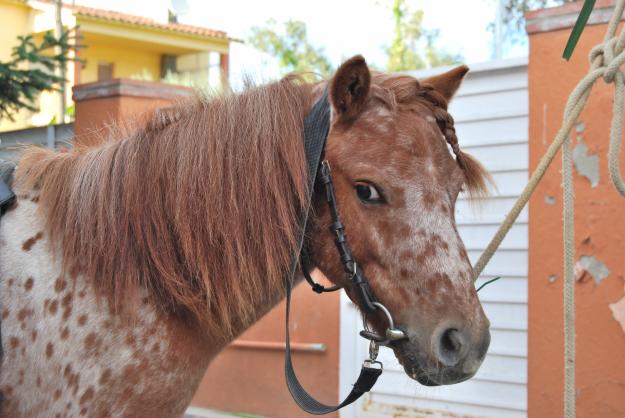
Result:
397,170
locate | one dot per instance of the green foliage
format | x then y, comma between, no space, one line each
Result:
32,70
514,11
413,46
290,45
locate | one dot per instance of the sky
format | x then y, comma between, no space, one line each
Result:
347,27
342,28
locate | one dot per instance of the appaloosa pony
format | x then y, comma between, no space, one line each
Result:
125,267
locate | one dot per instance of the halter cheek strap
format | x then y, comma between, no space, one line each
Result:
316,129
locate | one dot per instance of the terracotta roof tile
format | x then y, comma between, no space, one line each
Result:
143,21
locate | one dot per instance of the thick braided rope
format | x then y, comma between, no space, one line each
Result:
569,279
606,60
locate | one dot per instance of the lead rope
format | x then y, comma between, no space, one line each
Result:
606,60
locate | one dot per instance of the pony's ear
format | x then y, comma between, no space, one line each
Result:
447,83
349,88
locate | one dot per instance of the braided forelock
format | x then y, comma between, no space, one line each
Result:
407,89
477,178
443,118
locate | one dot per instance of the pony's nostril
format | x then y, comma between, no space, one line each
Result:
449,347
450,340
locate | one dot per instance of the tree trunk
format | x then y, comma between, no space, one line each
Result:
62,67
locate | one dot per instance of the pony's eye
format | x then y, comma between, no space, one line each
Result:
368,193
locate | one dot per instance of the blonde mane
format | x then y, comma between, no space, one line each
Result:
199,206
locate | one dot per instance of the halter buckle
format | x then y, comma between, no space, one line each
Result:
372,364
374,349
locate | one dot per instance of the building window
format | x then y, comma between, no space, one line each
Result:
172,16
105,71
168,65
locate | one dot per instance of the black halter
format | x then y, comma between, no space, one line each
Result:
340,240
6,179
6,199
316,129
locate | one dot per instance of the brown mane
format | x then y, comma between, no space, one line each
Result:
122,209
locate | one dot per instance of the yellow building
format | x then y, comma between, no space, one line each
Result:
117,45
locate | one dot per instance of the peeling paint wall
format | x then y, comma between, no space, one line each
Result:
586,165
599,237
618,312
588,264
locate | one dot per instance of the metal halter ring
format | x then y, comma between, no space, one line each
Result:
392,333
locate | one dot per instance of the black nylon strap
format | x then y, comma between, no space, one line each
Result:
367,378
6,198
6,178
316,128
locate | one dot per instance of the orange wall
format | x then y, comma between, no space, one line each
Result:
102,104
252,380
599,232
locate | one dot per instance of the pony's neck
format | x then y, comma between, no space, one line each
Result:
199,207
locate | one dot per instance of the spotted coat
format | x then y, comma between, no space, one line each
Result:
67,354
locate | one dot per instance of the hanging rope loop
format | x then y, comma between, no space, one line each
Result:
606,60
609,57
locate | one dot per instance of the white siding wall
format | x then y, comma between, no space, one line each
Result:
491,113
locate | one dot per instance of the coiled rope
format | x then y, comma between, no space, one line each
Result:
606,60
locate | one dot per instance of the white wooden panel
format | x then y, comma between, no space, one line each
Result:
501,104
493,210
496,368
486,76
511,342
483,83
504,263
473,391
389,405
477,237
509,289
492,131
491,120
482,80
505,157
505,183
512,315
503,368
